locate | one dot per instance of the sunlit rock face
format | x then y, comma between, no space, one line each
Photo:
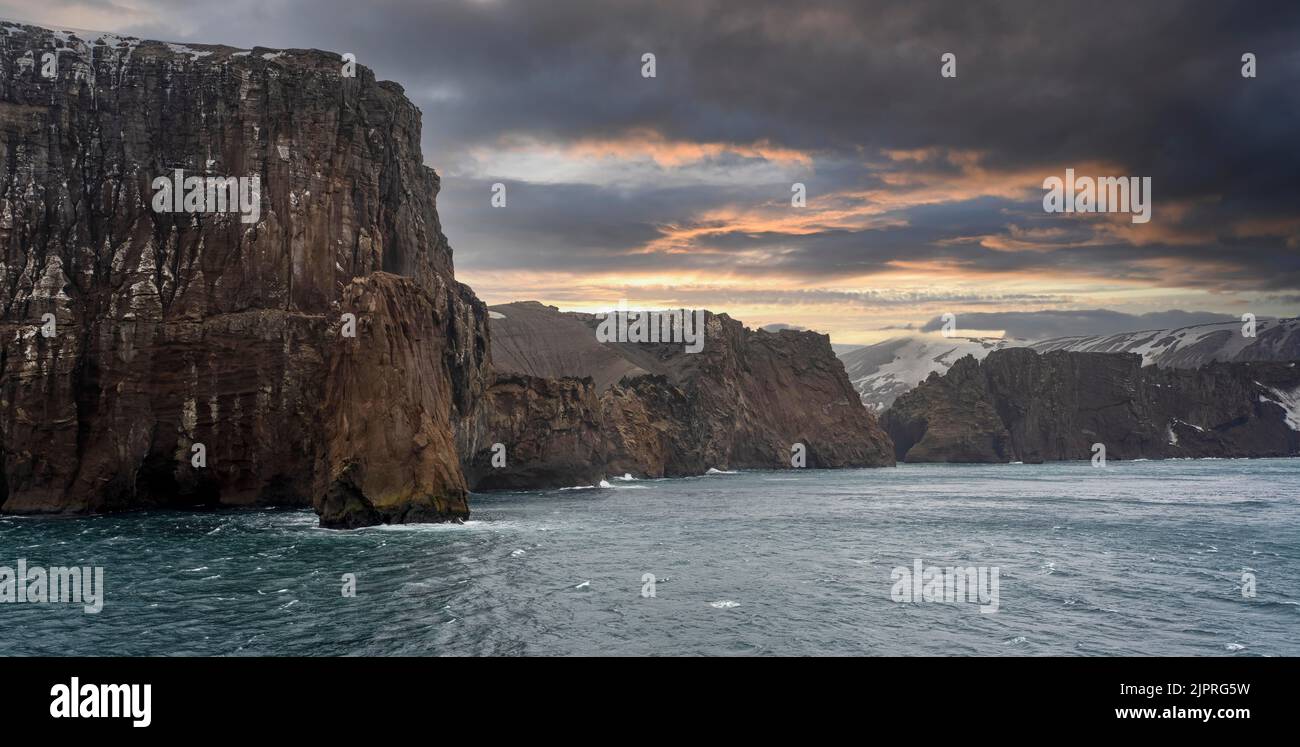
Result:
177,329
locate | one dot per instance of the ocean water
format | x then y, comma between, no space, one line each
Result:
1139,558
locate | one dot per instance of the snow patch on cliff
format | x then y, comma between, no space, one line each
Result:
1289,401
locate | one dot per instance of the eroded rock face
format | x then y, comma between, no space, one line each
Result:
742,402
1018,405
548,431
388,454
177,329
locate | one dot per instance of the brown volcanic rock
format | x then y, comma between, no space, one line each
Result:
759,392
178,328
647,426
741,402
529,338
1019,405
388,453
550,429
948,418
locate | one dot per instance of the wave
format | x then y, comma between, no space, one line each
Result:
603,484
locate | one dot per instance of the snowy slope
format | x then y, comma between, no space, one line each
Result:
883,371
1191,347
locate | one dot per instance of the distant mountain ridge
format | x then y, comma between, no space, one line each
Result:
1194,346
886,370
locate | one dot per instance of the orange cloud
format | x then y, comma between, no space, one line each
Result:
652,145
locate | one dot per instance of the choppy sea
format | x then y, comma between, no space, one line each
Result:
1137,558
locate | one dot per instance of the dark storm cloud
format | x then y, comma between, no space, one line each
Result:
1153,88
1042,325
1153,85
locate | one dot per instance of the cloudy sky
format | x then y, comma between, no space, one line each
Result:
924,193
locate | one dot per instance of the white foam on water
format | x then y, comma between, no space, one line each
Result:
449,526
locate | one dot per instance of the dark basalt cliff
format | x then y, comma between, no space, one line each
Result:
1018,405
175,329
652,409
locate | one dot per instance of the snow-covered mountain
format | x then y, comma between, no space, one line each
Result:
885,370
1192,347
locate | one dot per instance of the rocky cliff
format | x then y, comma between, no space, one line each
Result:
653,409
1018,405
180,335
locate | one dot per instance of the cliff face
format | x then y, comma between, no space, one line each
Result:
743,401
387,453
548,431
1017,405
183,328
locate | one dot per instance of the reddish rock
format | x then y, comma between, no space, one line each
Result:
388,454
183,328
742,402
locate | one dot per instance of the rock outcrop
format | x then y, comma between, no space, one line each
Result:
542,433
177,330
1018,405
742,402
388,454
